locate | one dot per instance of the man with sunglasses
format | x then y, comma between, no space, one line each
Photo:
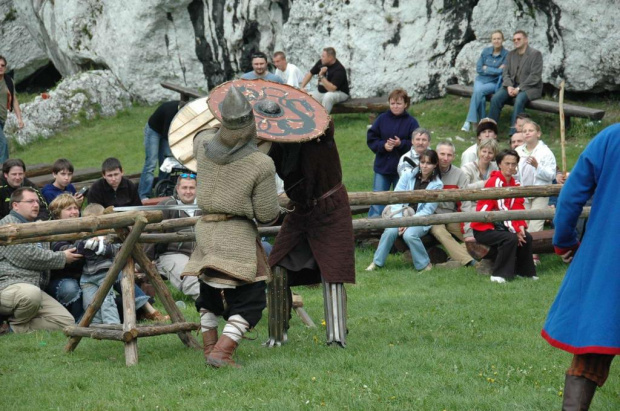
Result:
260,69
522,79
24,273
173,257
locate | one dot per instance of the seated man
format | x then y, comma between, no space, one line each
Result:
173,257
113,189
518,138
487,128
24,273
156,145
420,141
288,72
333,84
260,69
522,79
14,172
452,178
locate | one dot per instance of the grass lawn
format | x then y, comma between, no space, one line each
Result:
439,340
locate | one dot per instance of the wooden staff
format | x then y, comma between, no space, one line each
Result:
562,129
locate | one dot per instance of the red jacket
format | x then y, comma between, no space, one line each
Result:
497,180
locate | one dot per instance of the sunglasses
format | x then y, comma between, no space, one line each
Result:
188,175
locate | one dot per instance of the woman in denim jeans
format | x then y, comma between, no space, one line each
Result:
424,177
489,68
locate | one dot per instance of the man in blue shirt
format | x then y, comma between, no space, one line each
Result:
259,66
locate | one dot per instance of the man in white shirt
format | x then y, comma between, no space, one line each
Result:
288,72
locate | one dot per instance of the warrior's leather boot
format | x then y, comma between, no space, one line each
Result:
209,339
578,393
221,356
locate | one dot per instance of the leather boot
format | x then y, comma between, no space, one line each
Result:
209,339
221,356
578,393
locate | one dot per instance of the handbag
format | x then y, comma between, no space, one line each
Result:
389,213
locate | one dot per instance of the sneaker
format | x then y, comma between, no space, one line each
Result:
499,280
466,126
371,267
534,278
429,267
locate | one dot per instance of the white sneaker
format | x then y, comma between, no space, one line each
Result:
534,278
371,267
499,280
466,126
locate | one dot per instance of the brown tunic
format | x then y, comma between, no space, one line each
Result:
324,224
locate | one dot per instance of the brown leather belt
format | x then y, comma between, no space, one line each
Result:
214,218
330,192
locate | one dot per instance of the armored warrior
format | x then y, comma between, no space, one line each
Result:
228,257
315,243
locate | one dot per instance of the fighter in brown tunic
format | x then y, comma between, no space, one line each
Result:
315,243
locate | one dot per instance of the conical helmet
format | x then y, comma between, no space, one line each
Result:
236,110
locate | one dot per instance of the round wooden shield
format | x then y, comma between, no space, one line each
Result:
195,116
283,113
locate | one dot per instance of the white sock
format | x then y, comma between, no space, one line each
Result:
208,320
236,327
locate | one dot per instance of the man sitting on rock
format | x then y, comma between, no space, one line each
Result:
452,178
24,273
260,69
113,189
173,257
333,85
14,177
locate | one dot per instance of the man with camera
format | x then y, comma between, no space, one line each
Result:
333,84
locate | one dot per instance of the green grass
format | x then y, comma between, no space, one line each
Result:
440,340
446,339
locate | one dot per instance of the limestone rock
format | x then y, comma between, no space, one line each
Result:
17,45
77,98
421,46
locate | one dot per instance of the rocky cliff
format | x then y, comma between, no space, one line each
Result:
419,45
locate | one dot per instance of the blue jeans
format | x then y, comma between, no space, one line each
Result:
108,313
67,292
4,145
412,238
477,105
499,100
383,182
157,149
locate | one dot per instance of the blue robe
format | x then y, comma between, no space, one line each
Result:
585,316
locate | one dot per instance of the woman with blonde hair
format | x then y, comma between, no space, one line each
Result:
478,172
64,284
490,67
537,167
